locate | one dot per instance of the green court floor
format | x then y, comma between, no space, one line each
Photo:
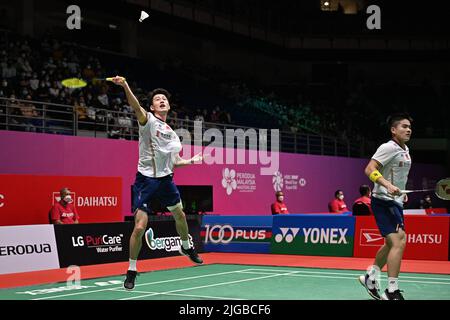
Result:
234,282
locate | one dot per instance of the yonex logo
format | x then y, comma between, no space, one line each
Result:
325,235
287,234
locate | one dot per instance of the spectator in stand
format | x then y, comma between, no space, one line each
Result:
337,205
54,91
42,92
199,116
5,90
34,82
88,73
23,63
279,207
426,203
29,112
206,115
362,206
10,70
14,112
63,211
224,117
214,116
81,110
103,100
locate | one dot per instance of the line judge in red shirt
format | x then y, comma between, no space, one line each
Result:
63,211
362,206
279,207
337,205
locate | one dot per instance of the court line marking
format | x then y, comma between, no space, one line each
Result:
213,285
268,271
350,278
139,285
184,295
350,274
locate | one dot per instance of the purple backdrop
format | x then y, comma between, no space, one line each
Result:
308,181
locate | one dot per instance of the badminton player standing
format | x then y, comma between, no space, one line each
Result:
388,169
159,148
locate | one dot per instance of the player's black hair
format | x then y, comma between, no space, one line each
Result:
337,192
364,189
63,189
159,91
393,119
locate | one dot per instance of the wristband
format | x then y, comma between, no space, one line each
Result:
375,175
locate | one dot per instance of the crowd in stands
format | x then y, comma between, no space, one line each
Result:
32,69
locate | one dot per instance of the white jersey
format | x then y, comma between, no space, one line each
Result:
396,164
158,147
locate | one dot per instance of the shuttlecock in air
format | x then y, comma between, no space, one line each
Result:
144,15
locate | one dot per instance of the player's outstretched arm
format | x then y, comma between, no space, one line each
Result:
180,162
141,114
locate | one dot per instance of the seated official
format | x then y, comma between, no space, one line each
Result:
337,205
279,207
63,211
362,206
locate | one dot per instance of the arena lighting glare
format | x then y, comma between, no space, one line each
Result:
329,5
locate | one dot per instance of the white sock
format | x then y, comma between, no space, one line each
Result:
374,276
132,266
373,271
392,284
185,244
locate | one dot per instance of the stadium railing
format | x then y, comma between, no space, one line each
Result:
63,119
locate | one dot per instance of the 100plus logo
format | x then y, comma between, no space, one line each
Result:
226,233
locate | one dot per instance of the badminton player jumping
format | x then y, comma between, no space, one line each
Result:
159,148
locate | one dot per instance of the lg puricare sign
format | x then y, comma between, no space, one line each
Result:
27,199
426,238
94,243
27,248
